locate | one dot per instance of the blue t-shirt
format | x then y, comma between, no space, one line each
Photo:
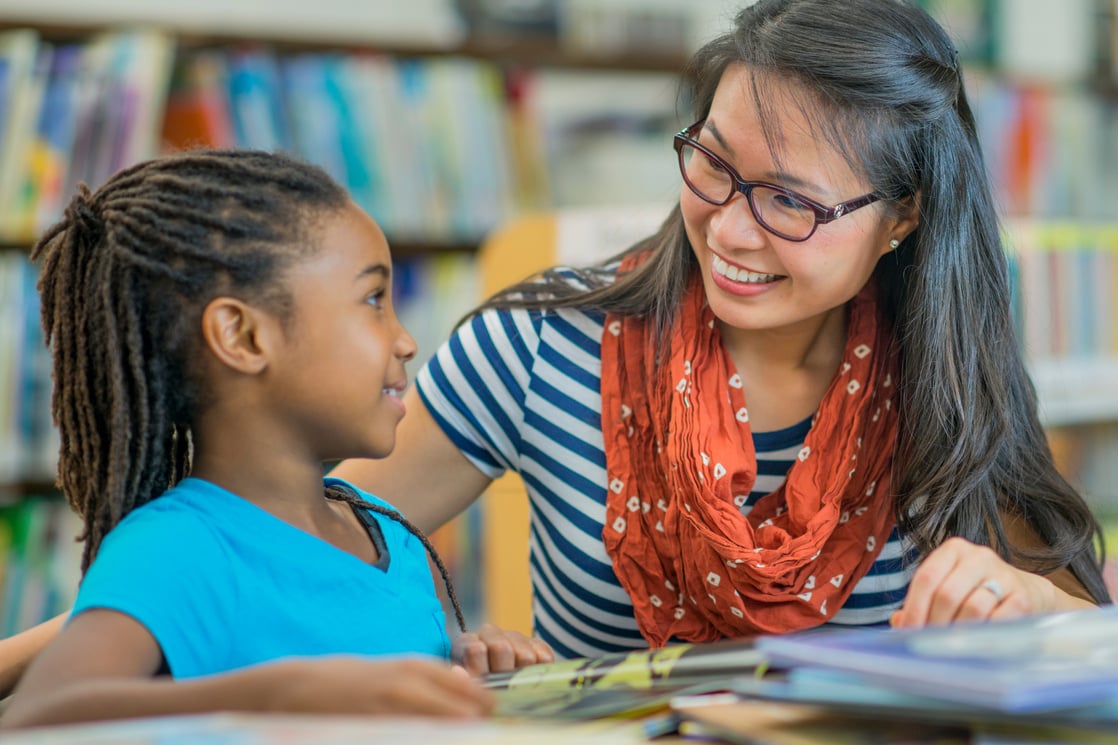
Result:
222,584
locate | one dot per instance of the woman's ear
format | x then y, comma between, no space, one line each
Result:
236,334
908,217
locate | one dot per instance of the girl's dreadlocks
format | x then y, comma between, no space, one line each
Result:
346,495
125,277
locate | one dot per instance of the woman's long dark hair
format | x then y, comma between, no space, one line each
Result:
880,80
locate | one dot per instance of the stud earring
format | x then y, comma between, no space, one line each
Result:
893,244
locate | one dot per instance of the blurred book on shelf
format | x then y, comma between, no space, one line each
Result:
1047,41
971,26
606,138
28,439
40,561
660,27
490,18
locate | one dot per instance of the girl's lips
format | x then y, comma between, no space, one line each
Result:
395,395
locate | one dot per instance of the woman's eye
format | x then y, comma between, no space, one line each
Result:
786,202
712,165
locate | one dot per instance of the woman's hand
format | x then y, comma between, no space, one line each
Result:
962,581
494,650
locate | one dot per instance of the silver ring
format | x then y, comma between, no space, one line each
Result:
995,589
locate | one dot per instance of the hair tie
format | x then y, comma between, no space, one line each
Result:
81,214
958,70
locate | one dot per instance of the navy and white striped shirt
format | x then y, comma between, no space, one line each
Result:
520,390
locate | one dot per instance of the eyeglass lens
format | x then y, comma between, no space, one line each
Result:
776,210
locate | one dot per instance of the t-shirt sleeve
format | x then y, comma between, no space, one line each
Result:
163,569
475,386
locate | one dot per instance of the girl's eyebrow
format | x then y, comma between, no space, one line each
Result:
372,269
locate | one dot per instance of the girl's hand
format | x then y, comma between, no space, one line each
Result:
961,581
355,685
493,650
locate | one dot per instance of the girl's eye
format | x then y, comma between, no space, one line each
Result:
376,299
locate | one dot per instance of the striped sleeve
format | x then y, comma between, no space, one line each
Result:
475,385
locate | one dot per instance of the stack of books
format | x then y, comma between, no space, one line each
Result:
1045,678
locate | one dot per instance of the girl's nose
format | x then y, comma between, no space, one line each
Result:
406,347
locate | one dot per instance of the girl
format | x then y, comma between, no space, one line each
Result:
221,324
802,400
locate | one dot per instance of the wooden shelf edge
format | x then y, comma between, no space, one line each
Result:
18,490
525,50
401,248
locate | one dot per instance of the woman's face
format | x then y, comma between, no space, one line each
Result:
755,280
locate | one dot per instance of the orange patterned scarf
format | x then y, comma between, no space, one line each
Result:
679,452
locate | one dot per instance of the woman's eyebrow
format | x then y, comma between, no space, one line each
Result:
713,129
781,178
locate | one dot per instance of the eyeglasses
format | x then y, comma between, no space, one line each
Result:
780,211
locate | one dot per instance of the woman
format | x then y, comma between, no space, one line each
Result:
835,233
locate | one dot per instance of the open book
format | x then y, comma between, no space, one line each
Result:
629,683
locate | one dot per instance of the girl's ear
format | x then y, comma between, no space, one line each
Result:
236,334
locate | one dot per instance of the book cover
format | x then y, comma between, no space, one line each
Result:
197,113
397,198
256,102
1037,663
26,64
49,159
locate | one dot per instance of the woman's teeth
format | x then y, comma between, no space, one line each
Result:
729,271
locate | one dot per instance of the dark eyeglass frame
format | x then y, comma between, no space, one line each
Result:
823,214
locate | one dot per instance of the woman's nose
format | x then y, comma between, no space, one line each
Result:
734,225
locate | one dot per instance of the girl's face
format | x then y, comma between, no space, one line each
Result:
755,280
341,375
